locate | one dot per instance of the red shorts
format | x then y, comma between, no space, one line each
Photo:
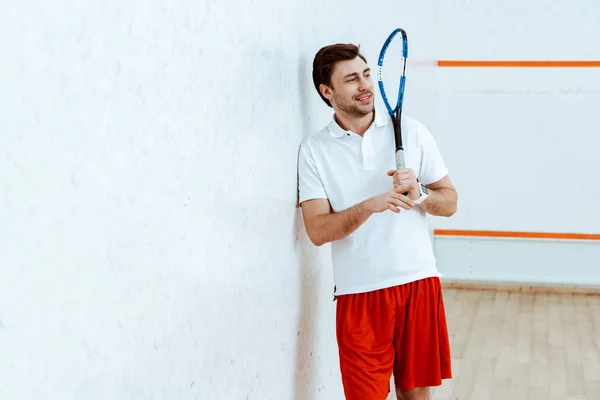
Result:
400,330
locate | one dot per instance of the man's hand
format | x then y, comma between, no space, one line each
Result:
391,200
442,199
406,178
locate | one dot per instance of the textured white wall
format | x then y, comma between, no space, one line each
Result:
151,247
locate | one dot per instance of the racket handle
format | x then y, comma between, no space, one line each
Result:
400,162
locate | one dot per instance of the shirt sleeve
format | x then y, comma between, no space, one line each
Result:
433,167
310,185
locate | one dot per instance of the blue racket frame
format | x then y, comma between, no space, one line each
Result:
382,53
396,112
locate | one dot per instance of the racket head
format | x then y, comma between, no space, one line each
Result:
387,45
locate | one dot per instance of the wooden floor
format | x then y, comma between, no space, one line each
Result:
522,346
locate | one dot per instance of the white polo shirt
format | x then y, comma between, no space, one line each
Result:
388,249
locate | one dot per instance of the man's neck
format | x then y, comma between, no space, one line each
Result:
358,125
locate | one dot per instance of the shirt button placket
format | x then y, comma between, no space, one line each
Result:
367,151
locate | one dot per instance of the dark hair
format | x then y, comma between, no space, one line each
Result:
325,60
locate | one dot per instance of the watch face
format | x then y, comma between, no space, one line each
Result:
424,189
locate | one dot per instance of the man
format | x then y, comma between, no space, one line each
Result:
390,314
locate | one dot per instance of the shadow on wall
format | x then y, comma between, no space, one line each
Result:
304,375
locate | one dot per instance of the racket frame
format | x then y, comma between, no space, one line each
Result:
396,112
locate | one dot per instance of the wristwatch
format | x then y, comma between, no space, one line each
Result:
423,192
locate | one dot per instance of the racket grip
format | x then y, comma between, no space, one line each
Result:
400,162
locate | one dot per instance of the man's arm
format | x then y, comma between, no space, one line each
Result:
442,199
323,225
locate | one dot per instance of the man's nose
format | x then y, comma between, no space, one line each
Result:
363,83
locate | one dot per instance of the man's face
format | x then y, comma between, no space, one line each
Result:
351,88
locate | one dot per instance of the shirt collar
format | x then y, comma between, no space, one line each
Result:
381,119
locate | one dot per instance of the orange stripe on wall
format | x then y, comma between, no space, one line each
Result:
517,234
535,64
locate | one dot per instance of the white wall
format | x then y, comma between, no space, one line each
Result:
151,247
521,142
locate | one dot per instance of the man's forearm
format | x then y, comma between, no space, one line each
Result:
440,202
334,226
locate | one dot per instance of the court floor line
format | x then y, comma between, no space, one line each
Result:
516,234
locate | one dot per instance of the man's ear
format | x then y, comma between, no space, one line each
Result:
325,91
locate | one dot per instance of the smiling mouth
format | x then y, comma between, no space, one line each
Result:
364,98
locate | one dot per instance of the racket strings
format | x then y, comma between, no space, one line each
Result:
389,53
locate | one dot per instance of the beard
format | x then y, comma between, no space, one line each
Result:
353,108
